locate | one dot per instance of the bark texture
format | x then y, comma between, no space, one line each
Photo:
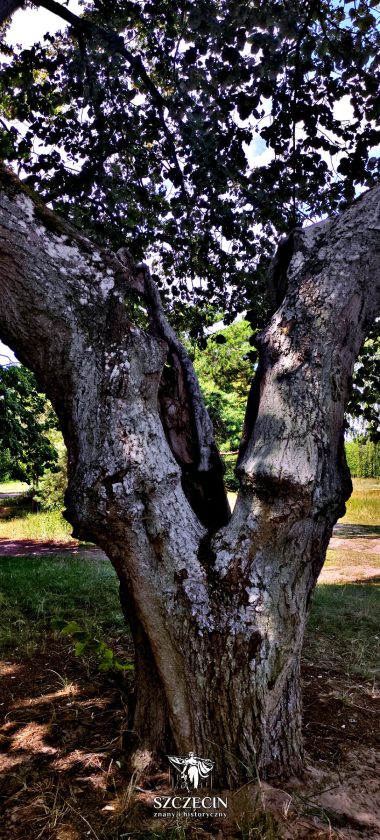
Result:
217,608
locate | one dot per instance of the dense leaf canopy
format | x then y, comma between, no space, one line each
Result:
147,137
196,133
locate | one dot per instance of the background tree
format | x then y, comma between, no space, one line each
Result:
25,420
363,457
53,483
225,367
364,400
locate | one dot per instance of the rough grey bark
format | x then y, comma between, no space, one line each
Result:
218,618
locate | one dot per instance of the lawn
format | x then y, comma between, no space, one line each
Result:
344,624
14,487
44,525
363,508
18,522
34,591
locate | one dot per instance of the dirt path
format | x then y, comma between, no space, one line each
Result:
363,544
37,548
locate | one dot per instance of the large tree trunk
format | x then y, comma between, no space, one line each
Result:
217,608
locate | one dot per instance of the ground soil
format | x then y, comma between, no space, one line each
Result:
361,540
64,732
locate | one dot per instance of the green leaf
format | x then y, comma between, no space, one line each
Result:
70,628
80,647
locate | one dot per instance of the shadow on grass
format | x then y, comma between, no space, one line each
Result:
371,581
63,769
353,531
40,548
61,752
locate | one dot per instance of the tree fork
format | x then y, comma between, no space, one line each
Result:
222,615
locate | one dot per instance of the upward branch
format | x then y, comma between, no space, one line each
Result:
66,266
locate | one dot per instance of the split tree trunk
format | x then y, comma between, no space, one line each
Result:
217,608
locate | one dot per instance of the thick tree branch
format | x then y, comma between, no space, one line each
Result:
329,296
203,424
202,468
64,313
113,39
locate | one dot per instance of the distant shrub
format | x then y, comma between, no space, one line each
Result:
52,485
5,465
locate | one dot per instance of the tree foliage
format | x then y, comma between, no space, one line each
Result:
363,458
197,133
140,125
25,420
225,368
365,398
53,483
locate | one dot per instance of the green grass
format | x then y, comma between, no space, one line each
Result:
45,525
18,522
363,508
344,627
34,590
